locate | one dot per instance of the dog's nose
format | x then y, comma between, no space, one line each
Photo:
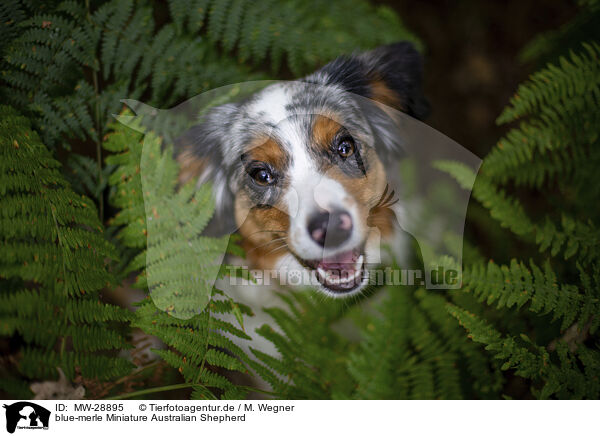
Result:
330,229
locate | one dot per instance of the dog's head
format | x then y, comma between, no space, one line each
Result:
300,167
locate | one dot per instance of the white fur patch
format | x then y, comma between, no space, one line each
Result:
270,104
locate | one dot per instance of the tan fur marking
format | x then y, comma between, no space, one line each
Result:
383,218
383,94
261,231
261,228
367,192
324,130
267,150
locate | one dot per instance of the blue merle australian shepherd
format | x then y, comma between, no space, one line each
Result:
300,167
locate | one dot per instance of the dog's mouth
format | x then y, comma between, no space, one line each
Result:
340,273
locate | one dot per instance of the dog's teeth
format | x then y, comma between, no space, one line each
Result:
359,263
322,272
339,278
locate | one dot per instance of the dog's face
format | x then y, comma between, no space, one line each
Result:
299,165
305,183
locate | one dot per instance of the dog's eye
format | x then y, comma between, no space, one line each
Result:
345,147
263,176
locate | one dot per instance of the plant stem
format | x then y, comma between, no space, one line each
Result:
98,138
137,372
175,387
152,390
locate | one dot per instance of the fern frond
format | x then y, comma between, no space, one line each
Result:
56,267
485,380
506,210
392,361
86,177
174,262
568,378
312,355
291,30
575,78
515,285
559,136
404,355
68,227
196,345
572,238
93,366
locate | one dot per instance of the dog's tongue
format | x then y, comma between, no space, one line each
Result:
341,272
339,261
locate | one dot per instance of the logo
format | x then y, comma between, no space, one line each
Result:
26,415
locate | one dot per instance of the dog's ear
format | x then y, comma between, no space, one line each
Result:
391,74
200,151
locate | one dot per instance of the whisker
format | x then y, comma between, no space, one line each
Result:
267,243
386,199
385,190
276,249
269,231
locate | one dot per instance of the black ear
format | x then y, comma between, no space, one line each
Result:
391,74
200,154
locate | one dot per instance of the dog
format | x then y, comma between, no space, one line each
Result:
298,168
